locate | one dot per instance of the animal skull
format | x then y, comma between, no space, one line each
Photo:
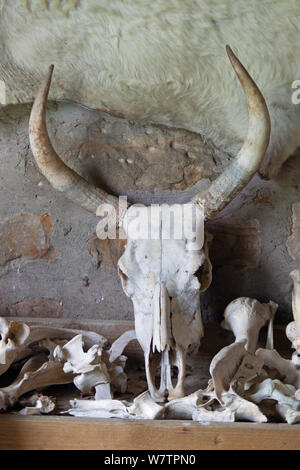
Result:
159,275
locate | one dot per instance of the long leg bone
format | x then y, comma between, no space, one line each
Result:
36,373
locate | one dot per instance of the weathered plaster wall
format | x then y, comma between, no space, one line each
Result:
51,265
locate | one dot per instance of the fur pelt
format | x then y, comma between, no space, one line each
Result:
160,61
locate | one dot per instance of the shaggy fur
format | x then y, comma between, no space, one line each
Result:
161,61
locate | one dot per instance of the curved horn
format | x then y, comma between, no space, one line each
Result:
59,175
249,158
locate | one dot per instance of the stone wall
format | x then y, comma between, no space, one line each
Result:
51,263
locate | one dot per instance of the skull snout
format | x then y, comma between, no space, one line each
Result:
162,334
164,351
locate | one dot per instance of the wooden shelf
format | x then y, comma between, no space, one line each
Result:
69,433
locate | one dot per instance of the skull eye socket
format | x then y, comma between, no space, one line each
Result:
122,275
199,272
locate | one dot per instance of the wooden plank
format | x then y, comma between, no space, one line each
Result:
69,433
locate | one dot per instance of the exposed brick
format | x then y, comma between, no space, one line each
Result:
235,243
26,237
37,308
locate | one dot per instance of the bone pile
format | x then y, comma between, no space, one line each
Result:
53,356
246,384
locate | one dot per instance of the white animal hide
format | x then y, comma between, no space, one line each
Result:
160,62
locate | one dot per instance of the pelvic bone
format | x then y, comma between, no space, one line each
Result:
245,317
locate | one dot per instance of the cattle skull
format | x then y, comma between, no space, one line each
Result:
159,275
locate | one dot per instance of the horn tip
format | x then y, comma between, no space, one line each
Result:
230,53
50,71
49,74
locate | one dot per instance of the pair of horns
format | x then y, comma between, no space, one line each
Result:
212,200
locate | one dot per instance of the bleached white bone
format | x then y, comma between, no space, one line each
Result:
42,405
159,276
243,409
202,415
293,328
94,367
288,369
88,367
245,317
284,394
289,414
13,343
36,373
234,408
98,408
288,406
16,338
203,406
224,366
120,344
143,407
183,408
